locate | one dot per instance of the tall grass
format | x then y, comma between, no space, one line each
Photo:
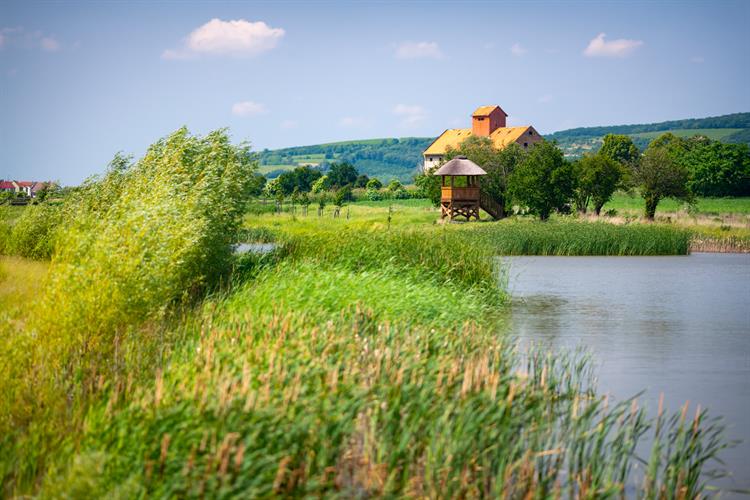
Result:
277,405
355,360
560,237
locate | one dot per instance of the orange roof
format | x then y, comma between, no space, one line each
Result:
486,110
501,138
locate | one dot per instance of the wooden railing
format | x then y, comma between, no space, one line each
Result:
490,206
449,193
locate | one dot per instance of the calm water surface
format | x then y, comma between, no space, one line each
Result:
678,325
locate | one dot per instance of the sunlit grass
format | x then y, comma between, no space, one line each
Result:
20,286
364,356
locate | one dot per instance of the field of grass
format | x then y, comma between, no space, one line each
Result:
708,206
716,134
20,285
364,356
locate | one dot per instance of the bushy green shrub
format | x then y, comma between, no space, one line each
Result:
374,195
137,241
33,234
166,231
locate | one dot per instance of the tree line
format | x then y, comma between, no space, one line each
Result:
542,181
338,182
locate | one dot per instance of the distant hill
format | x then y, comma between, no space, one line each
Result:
726,128
393,158
382,158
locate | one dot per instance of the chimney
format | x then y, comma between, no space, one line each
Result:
487,119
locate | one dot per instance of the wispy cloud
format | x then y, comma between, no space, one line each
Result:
599,47
233,38
352,121
411,115
545,99
21,38
517,49
248,108
418,50
49,44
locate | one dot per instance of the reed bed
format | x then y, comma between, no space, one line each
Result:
270,406
570,237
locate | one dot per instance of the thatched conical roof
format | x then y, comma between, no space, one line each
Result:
460,165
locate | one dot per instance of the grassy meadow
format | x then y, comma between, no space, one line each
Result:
365,355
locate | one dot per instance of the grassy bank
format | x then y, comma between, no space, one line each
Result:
707,206
364,356
513,236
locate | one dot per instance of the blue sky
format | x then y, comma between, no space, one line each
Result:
81,81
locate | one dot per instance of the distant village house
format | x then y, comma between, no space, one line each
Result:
28,188
486,121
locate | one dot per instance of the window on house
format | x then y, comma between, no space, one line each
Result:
531,132
526,144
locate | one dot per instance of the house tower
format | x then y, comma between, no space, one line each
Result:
486,120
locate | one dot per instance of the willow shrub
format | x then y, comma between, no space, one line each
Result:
167,231
32,235
143,238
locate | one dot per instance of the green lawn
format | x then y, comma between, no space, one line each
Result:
712,133
264,169
709,206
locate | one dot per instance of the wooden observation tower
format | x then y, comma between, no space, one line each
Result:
460,194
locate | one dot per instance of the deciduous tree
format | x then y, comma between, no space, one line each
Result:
543,181
597,178
660,176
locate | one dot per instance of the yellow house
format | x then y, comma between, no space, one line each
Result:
486,121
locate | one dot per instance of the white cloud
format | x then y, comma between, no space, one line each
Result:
545,99
248,108
599,47
289,124
351,121
235,38
410,114
18,37
418,50
697,60
49,44
517,49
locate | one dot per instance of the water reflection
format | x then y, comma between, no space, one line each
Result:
680,325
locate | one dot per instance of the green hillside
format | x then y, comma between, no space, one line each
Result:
727,128
393,158
383,158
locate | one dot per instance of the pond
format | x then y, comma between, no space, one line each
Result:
677,325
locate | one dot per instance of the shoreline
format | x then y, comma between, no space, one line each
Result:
718,246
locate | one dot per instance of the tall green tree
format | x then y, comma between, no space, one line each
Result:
543,181
621,149
361,181
498,163
342,174
597,178
659,175
301,178
429,185
716,169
